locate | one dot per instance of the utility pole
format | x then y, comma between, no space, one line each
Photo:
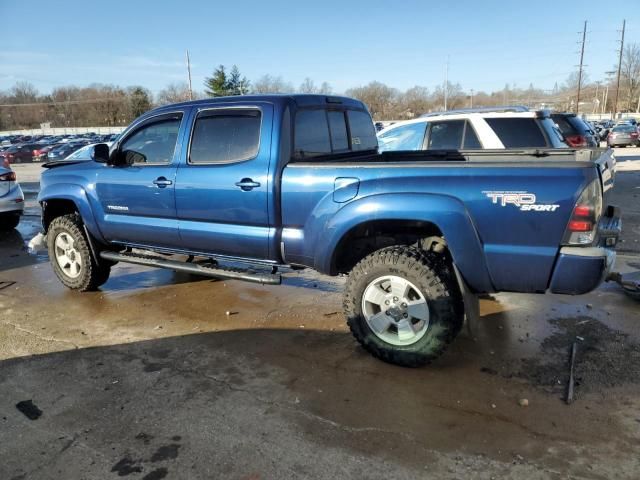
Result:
189,74
615,103
472,98
584,34
446,82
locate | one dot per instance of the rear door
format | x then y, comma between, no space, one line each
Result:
223,190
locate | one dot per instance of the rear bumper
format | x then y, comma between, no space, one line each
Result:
579,270
12,202
624,142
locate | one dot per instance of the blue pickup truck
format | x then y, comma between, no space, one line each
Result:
246,187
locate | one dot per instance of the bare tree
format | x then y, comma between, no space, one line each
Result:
630,76
380,99
415,101
270,84
24,92
455,97
307,86
174,93
325,89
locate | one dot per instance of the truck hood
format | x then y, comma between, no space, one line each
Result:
61,163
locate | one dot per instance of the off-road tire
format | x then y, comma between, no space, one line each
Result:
9,221
91,274
435,278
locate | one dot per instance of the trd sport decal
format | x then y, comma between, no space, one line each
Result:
524,201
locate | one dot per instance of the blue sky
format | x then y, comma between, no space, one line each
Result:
346,43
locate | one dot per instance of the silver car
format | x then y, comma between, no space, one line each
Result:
624,136
11,200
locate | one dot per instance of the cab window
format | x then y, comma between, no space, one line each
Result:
153,143
225,136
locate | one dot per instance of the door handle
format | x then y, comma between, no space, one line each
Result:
247,184
162,182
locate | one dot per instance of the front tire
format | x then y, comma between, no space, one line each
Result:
403,305
70,255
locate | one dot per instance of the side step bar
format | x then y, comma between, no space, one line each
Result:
218,272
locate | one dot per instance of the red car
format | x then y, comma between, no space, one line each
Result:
18,153
40,152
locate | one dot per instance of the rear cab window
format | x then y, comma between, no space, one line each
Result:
321,132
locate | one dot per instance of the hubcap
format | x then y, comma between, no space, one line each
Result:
395,310
68,258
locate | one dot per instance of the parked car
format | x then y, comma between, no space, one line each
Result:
602,130
63,150
84,153
469,129
11,200
297,181
19,153
41,152
627,121
577,133
625,135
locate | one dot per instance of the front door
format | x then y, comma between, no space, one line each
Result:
138,200
222,190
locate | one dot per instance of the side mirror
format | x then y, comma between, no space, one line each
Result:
101,153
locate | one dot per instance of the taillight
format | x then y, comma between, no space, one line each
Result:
582,226
634,135
8,177
576,141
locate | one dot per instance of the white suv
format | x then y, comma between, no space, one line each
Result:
480,128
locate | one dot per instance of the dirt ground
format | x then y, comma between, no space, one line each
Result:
164,375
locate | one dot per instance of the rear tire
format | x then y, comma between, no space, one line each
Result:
71,257
9,221
403,305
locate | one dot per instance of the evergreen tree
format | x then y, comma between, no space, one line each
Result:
237,84
217,84
139,101
221,84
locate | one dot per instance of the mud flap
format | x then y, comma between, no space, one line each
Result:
471,302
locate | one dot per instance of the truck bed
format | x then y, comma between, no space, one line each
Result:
498,245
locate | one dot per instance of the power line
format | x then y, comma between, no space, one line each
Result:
61,104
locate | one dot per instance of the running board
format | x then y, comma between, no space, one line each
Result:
218,272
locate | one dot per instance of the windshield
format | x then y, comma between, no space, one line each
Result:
84,153
625,129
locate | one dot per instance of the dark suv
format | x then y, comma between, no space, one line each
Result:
577,133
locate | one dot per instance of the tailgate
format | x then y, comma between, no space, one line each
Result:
606,162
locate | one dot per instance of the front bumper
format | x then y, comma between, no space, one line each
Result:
13,201
579,270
